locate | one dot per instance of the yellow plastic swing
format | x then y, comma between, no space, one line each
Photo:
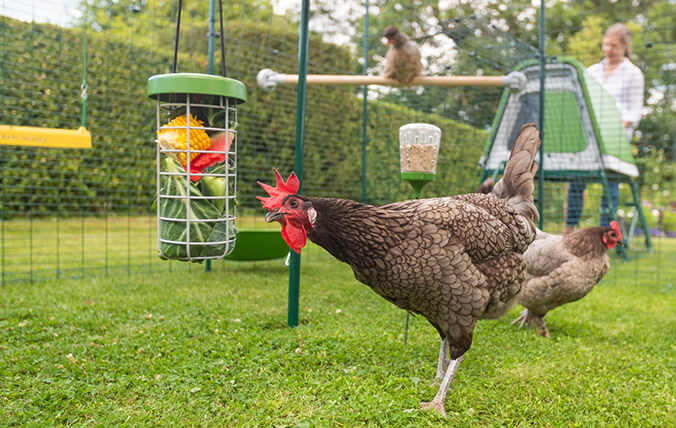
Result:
11,135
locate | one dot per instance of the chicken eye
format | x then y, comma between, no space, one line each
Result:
293,203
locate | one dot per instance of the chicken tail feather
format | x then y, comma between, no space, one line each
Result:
516,185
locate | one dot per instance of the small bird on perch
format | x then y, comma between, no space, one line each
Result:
402,61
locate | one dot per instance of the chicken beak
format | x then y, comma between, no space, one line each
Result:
274,215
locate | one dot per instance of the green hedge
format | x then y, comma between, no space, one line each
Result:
40,76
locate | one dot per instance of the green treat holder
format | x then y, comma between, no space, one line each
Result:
196,156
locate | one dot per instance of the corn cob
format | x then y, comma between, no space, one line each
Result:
176,139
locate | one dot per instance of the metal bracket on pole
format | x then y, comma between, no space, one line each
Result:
516,81
269,79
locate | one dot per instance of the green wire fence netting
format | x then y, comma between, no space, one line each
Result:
74,213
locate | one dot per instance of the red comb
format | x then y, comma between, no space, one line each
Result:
277,194
616,228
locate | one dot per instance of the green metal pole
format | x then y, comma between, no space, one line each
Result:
364,120
644,224
541,118
294,264
210,69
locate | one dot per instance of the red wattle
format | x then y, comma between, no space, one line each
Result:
609,245
294,236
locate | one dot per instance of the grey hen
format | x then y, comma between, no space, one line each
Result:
563,269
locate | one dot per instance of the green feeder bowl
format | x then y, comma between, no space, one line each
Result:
196,139
255,245
419,151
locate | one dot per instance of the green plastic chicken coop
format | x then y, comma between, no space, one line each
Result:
584,139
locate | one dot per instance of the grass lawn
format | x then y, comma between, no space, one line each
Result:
36,249
186,347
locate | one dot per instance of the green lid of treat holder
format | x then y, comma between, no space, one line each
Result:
162,85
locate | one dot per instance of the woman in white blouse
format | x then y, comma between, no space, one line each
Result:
624,82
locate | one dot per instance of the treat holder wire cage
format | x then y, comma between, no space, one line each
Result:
419,151
196,164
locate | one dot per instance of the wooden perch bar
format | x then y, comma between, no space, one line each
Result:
269,79
335,79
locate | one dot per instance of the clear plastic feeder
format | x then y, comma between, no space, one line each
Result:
419,148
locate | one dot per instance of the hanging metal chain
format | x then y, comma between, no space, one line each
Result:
178,27
83,86
220,11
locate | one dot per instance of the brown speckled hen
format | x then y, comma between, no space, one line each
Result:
402,61
563,269
453,260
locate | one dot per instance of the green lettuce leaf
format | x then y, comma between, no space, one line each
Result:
200,209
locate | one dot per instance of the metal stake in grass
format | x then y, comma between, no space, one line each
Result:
418,154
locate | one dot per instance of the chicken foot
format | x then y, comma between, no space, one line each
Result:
534,320
522,318
442,365
439,401
542,330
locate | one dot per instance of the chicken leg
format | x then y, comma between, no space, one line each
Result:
442,365
542,330
440,399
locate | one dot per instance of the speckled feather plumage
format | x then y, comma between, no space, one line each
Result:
448,259
452,260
